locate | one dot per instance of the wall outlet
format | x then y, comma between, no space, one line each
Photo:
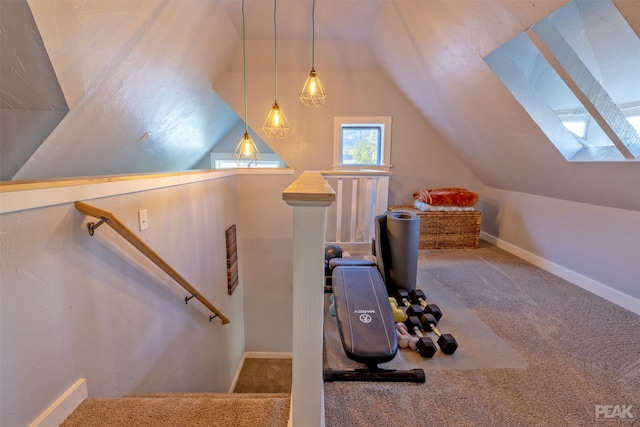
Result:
143,221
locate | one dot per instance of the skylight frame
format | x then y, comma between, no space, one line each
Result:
609,119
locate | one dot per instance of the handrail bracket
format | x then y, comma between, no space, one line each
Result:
92,226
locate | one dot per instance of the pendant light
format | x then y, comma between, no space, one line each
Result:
313,94
246,152
276,124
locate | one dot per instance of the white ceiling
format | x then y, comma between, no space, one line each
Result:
143,64
334,19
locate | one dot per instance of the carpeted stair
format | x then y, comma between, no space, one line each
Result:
197,409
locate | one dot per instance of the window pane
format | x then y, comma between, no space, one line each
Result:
635,122
596,58
360,145
606,45
576,127
553,90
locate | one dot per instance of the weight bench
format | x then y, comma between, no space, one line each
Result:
366,325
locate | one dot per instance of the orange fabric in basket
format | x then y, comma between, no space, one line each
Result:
447,197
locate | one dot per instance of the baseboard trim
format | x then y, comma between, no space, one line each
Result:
610,294
237,375
266,355
63,406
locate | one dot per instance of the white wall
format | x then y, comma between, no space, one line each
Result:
595,247
75,306
420,157
266,235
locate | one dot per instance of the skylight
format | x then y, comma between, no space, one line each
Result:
576,74
577,128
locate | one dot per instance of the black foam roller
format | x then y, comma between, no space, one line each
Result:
403,236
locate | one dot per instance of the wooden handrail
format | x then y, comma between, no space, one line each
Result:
132,238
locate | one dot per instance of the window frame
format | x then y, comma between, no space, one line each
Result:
382,122
269,160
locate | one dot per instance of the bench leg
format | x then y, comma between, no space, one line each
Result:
374,373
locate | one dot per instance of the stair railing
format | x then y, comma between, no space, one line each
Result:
113,222
361,195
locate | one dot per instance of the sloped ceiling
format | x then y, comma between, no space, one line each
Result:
433,51
28,79
137,76
31,99
137,67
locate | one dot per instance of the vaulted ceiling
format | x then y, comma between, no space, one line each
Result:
142,74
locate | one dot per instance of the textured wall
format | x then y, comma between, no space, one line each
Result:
419,155
598,243
267,254
420,159
75,306
128,69
434,52
31,99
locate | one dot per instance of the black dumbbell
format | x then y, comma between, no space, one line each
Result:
425,345
402,296
418,297
446,342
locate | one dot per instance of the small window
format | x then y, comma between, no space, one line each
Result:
361,145
224,161
362,142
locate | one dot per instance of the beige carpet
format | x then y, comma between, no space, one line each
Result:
194,410
479,347
535,350
579,351
264,376
261,398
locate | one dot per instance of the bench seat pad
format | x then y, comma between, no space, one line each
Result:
363,313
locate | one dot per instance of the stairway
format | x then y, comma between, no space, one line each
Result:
262,397
193,410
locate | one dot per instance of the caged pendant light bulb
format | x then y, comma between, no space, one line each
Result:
246,152
313,94
276,124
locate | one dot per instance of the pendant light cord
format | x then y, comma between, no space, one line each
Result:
313,33
275,46
244,72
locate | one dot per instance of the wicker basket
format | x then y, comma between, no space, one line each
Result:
446,230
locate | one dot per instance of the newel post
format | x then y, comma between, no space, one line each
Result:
309,196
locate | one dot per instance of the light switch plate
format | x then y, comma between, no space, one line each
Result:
143,221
